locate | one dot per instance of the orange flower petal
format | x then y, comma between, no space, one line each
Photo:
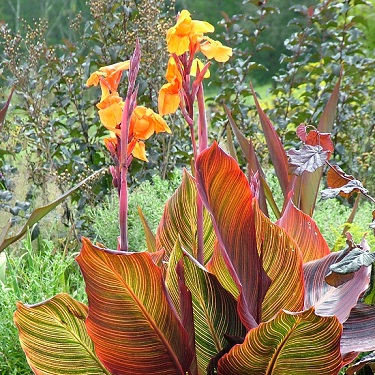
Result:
109,100
214,49
169,99
193,70
142,124
111,116
139,151
160,125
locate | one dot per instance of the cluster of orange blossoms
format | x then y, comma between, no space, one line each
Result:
143,121
187,36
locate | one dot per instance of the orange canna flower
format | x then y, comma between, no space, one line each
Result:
108,76
185,32
143,123
198,64
214,49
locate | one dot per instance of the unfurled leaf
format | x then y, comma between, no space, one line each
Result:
358,333
353,186
308,158
131,320
344,270
40,212
315,138
282,262
215,312
329,300
303,229
277,153
299,344
179,221
370,358
54,337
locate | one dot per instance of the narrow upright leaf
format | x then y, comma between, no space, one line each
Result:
3,111
54,337
309,182
150,238
275,147
131,320
299,344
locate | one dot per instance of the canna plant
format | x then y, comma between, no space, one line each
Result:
222,289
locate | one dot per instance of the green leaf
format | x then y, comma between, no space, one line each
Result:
134,326
54,338
215,312
150,238
226,194
179,221
299,344
303,229
40,212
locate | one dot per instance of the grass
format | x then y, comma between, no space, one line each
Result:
34,273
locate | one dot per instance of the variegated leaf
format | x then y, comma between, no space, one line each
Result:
282,260
226,193
303,229
54,337
329,300
131,319
215,312
179,221
299,344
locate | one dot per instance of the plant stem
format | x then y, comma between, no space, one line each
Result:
202,143
123,177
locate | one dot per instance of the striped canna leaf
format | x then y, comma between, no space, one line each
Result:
54,337
292,343
131,320
179,221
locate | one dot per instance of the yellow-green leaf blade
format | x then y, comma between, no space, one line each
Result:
179,222
54,337
297,344
215,312
131,320
282,261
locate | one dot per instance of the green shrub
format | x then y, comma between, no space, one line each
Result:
150,196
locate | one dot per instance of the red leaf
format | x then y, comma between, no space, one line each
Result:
315,138
353,186
336,177
226,194
301,132
4,110
303,229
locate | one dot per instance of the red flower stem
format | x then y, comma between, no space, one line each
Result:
123,177
202,143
